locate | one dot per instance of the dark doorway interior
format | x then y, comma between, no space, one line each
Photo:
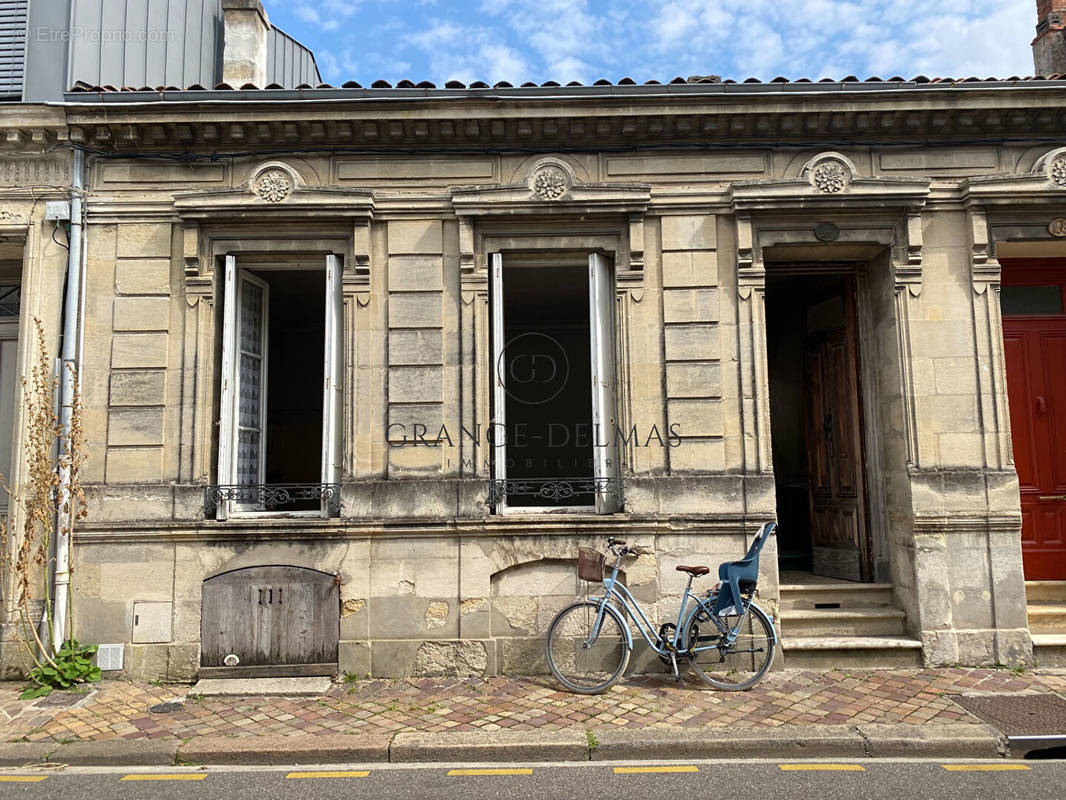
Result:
546,364
295,353
816,424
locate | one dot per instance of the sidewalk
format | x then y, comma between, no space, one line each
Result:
417,719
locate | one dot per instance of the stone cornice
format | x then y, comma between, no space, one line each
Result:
571,123
299,202
584,199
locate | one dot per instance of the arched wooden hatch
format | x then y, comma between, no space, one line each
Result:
269,621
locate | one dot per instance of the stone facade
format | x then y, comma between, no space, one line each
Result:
696,196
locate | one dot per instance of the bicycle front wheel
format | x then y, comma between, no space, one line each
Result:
737,666
583,659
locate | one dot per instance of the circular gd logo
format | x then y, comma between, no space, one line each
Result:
533,368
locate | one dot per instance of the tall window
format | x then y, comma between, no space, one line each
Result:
281,390
554,430
10,297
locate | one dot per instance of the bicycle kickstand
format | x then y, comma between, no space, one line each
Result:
673,666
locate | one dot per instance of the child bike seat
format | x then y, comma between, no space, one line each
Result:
734,574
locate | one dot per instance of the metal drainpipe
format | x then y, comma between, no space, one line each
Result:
69,357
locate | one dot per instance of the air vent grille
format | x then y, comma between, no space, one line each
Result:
109,656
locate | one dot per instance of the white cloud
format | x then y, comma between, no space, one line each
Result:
816,38
467,53
563,40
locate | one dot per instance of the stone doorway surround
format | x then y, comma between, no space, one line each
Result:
1021,215
929,516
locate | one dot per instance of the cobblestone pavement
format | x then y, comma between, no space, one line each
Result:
117,709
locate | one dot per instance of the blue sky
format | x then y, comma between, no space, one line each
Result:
584,40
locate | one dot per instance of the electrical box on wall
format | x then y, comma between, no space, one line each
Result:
58,210
151,623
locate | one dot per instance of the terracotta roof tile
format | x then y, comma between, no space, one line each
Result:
86,88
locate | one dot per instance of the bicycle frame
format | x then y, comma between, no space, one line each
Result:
619,591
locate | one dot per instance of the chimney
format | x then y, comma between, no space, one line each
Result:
1049,46
244,59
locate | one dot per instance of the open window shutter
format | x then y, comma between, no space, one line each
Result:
250,387
499,393
229,378
332,383
604,387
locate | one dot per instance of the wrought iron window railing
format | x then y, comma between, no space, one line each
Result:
272,496
556,490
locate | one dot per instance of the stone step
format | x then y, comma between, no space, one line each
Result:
1049,649
842,594
865,652
1047,618
1045,591
873,621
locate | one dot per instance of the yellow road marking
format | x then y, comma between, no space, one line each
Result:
983,767
356,774
822,767
525,771
22,778
177,776
677,768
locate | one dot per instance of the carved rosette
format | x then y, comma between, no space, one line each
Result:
549,183
831,176
1057,171
273,185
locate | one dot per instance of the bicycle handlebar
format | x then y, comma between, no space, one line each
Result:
619,546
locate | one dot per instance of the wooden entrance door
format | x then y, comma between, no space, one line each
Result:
1034,343
836,475
270,621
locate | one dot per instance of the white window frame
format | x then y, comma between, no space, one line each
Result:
332,388
603,375
9,395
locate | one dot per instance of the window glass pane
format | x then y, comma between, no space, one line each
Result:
10,300
251,317
251,383
1015,300
247,457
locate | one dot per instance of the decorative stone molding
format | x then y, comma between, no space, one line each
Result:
830,172
590,201
1052,165
274,181
1016,207
550,179
1058,171
301,205
878,212
273,185
874,216
39,171
550,183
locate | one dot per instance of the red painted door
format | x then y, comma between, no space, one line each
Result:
1034,338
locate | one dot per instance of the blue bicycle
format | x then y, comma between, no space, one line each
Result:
726,637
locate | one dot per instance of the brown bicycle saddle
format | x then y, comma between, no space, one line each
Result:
695,572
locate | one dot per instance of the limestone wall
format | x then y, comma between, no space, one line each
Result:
420,558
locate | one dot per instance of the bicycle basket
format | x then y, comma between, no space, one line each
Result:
590,564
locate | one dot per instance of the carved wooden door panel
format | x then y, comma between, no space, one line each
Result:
834,439
270,621
1034,344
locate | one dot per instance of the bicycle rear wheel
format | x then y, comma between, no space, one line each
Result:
582,659
738,666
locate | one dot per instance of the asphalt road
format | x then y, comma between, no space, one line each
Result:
750,780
